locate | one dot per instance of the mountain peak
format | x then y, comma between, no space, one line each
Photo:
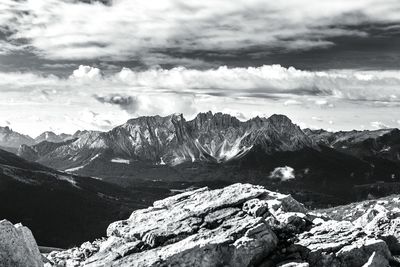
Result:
52,137
10,138
177,117
279,118
216,120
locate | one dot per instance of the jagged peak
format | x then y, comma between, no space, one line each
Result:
6,129
80,133
46,134
279,118
218,118
145,119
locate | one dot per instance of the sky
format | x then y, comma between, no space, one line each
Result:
68,65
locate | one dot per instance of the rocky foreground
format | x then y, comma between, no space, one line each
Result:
239,225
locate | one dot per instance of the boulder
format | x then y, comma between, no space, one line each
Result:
223,227
18,247
239,225
340,243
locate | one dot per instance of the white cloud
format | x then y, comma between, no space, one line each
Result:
314,118
128,29
283,173
378,125
245,91
269,81
292,102
86,72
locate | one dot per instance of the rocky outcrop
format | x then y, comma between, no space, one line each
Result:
239,225
18,247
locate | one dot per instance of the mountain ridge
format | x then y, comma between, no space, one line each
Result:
172,140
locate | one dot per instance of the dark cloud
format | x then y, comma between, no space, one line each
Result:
361,34
127,103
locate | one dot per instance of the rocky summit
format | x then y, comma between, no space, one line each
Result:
243,225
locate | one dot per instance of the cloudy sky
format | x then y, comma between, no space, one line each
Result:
68,64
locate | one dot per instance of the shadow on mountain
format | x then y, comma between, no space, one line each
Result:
64,209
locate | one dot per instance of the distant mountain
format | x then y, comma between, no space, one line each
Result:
41,149
11,139
63,209
382,144
172,140
52,137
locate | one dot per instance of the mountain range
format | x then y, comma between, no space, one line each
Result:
172,140
11,140
316,166
100,176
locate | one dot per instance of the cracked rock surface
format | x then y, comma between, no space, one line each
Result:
18,247
241,225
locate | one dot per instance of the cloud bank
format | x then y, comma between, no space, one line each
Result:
312,98
294,86
149,30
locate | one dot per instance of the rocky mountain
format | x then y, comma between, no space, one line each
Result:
319,168
242,225
52,137
11,139
382,144
35,152
172,140
63,209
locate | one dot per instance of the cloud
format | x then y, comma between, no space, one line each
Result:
283,173
378,125
314,118
247,92
149,30
86,72
292,102
91,120
324,103
128,103
294,86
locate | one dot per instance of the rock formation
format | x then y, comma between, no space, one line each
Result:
18,247
241,225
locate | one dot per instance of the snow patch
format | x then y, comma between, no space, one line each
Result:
82,166
162,162
68,179
75,169
283,173
119,160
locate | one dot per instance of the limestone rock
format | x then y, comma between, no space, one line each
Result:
18,247
340,243
239,225
223,227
